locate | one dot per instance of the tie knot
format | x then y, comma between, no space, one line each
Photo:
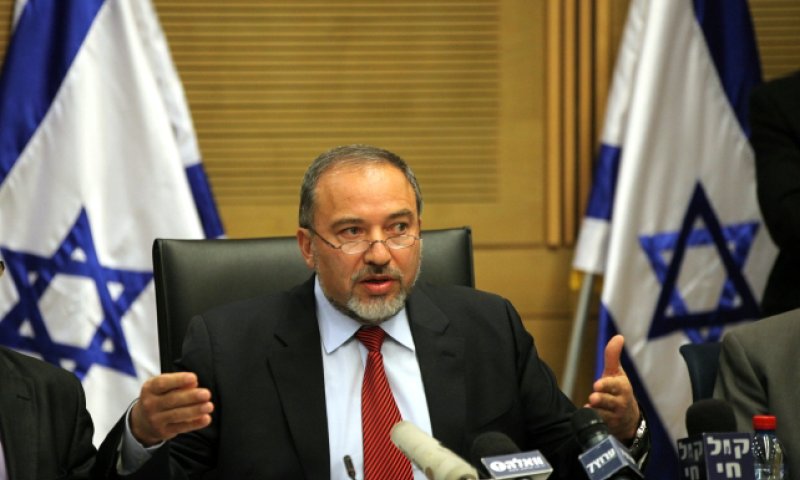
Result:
371,337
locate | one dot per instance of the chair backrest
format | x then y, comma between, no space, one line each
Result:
192,276
702,361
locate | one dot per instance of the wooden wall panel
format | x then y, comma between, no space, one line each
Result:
447,84
6,12
777,24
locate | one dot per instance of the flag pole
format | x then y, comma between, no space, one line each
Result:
576,337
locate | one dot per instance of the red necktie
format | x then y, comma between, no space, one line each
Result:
382,459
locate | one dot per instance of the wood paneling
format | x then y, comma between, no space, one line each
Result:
6,13
777,25
273,83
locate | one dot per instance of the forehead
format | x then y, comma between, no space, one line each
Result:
365,188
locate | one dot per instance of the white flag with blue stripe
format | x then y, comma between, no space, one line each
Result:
98,157
673,221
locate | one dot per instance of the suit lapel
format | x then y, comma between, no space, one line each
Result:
441,360
18,423
296,363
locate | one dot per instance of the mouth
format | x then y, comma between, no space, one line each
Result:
378,284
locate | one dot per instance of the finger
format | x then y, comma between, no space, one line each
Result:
175,429
604,401
612,355
151,427
177,399
170,381
612,386
182,415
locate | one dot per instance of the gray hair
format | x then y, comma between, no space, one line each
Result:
348,155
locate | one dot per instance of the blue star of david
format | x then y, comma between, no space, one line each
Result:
76,256
732,243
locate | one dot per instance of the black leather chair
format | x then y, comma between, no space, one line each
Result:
702,361
192,276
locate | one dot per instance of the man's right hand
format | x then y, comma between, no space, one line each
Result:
170,404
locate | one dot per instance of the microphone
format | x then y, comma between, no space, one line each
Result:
713,450
604,457
500,458
348,465
708,416
429,455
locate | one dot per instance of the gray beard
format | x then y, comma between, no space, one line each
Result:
375,311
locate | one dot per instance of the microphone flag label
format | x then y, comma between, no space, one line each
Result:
716,456
515,465
607,458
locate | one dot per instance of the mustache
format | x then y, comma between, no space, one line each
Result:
369,270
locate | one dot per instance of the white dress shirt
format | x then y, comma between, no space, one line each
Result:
343,361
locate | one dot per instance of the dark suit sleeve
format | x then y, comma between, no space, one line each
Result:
547,410
775,124
80,450
187,456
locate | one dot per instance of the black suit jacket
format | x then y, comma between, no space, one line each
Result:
46,430
775,122
262,361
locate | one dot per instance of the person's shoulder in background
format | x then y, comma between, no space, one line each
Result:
789,84
33,368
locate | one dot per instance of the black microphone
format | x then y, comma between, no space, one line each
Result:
496,455
714,450
348,465
708,416
604,457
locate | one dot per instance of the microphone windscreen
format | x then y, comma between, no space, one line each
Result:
589,428
490,444
429,455
710,415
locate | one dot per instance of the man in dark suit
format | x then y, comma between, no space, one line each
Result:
284,372
45,430
775,121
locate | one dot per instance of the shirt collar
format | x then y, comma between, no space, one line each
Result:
336,328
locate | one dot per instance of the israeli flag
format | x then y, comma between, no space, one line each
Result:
673,221
98,157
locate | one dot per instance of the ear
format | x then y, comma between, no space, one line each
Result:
304,242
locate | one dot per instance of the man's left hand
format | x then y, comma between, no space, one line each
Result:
613,395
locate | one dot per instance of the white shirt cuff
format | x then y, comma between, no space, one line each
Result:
132,454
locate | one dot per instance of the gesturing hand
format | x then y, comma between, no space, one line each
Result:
613,394
170,404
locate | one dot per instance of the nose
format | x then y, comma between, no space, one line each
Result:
378,253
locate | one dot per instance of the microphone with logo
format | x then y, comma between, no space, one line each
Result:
502,459
714,450
429,455
604,457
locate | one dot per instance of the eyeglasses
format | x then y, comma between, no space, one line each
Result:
396,242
